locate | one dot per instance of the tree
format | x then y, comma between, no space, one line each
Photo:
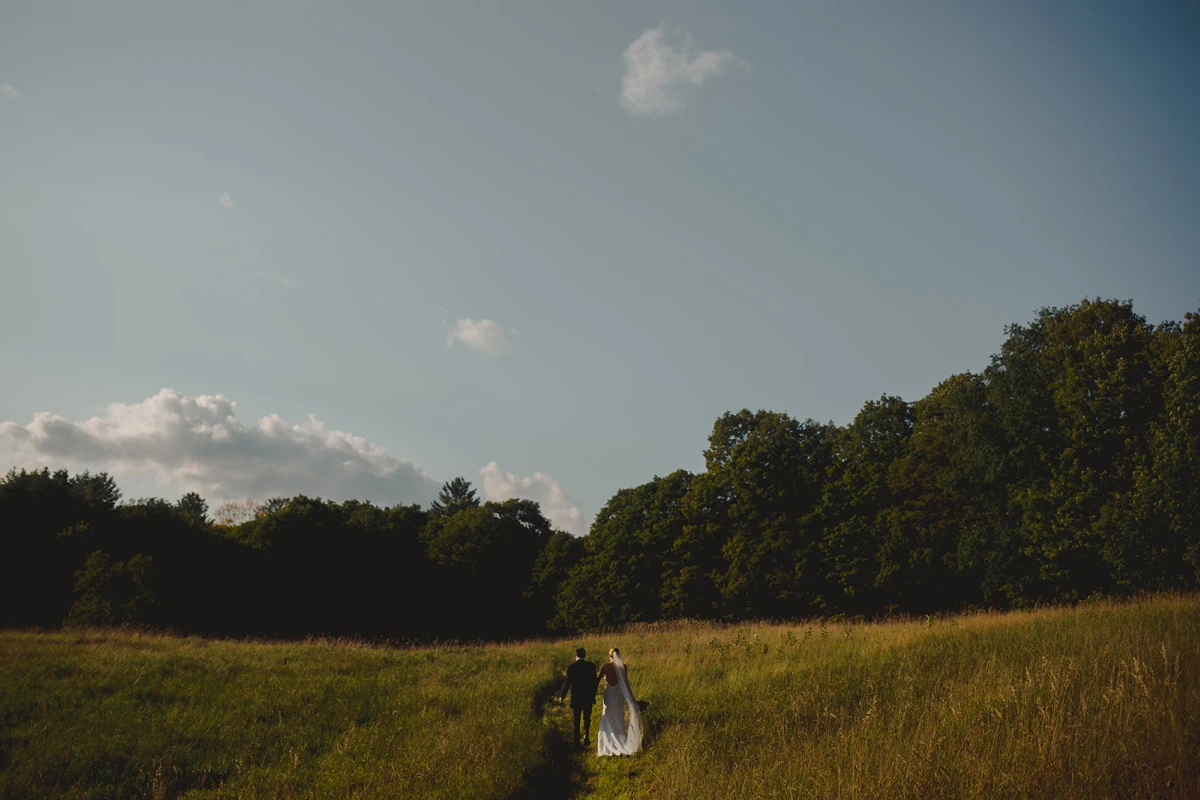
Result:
692,586
855,501
693,568
236,512
1075,392
554,564
1069,466
945,495
455,496
36,564
487,556
95,491
619,578
274,505
773,478
1158,544
111,594
193,509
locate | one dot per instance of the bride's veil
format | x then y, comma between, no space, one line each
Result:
633,738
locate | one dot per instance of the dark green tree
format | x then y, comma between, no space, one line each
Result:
772,470
1157,543
855,502
619,578
945,495
111,593
1070,466
36,564
193,509
693,582
554,564
274,505
1076,392
487,557
455,496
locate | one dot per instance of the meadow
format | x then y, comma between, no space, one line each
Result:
1096,700
104,714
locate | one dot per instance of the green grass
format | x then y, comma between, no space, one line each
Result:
1100,700
109,714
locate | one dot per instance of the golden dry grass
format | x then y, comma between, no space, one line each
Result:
1087,702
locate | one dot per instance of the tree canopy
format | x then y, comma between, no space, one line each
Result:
1067,467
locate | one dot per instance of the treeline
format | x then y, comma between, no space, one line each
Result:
1068,467
290,567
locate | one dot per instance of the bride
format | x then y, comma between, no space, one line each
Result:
616,737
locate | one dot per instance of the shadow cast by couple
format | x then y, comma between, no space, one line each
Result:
565,770
652,723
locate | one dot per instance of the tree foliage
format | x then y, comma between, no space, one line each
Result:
111,594
456,495
1068,467
290,567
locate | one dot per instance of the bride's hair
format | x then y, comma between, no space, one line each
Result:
612,650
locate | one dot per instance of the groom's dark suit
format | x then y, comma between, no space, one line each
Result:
581,683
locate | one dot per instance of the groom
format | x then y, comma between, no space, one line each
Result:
581,683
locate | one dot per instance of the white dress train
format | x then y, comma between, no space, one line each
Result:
619,736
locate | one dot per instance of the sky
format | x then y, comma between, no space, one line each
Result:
355,250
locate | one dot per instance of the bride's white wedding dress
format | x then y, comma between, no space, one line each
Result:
618,737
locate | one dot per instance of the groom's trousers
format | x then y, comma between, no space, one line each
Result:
586,713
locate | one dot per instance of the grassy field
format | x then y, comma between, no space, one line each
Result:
1100,700
103,715
1096,701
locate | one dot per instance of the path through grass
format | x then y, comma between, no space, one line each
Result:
1096,701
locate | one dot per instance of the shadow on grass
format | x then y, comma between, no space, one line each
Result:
652,724
565,771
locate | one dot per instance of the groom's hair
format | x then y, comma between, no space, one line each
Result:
579,651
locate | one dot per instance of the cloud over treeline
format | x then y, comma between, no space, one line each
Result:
557,504
198,444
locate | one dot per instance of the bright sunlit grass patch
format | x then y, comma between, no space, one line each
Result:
1093,701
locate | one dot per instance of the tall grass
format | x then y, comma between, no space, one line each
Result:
94,714
1089,702
1095,701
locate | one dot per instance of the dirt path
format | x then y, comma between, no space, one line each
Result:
566,771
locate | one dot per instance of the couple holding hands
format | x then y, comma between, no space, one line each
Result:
620,731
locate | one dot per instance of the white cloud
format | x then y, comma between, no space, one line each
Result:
198,444
559,507
485,335
658,74
225,201
9,91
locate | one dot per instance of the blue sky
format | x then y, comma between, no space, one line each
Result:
662,210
